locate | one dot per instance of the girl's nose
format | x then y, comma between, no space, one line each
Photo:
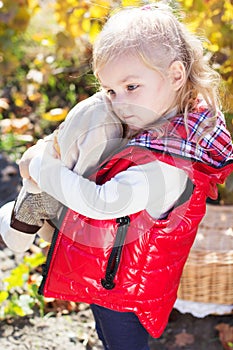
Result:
119,108
119,98
120,101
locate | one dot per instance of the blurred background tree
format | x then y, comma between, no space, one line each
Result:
45,58
214,20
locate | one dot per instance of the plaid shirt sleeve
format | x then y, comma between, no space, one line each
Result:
218,143
215,147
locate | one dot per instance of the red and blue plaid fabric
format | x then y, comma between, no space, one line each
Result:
214,148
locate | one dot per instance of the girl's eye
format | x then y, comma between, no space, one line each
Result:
132,87
110,92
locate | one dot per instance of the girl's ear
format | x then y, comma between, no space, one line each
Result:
177,75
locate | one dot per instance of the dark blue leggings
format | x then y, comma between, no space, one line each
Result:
119,330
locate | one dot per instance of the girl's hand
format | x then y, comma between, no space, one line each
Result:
25,161
27,157
56,149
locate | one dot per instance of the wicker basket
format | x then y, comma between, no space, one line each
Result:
208,273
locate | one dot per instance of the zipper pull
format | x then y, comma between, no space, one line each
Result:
115,256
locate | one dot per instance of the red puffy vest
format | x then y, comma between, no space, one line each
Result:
132,263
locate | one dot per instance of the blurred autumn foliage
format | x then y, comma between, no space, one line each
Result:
45,58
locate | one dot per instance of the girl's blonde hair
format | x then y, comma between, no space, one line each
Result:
154,34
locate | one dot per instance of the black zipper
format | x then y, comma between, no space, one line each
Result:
115,256
113,261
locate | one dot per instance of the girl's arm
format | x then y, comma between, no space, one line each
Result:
155,186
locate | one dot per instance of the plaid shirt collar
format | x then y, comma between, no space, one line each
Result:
178,138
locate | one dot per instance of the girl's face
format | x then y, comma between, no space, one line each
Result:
139,95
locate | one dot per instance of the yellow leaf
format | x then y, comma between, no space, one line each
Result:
19,99
216,12
77,13
34,97
35,260
215,37
19,102
213,47
55,114
188,3
99,9
3,295
72,2
37,37
75,30
228,14
17,277
18,310
125,3
94,31
33,4
86,24
208,23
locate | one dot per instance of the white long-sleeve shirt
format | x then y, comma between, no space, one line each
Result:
155,186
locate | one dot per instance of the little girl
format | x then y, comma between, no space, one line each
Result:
35,211
123,242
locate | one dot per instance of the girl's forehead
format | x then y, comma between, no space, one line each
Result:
122,68
126,70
